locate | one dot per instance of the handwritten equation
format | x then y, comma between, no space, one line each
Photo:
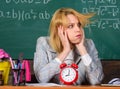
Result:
25,14
28,1
98,2
107,11
22,15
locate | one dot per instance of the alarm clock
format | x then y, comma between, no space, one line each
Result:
68,73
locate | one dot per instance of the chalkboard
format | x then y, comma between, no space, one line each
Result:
23,21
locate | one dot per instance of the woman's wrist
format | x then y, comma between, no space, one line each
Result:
82,50
63,55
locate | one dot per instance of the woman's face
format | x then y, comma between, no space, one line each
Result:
74,29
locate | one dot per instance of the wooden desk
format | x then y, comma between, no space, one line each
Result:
61,87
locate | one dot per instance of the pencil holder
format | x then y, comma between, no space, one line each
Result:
18,77
5,67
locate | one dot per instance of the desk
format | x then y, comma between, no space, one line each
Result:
61,87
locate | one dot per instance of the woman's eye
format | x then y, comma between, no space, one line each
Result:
79,24
70,26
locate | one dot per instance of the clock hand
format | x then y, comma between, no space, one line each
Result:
68,73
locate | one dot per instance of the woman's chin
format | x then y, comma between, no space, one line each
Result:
76,42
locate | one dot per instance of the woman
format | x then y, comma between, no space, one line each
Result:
67,43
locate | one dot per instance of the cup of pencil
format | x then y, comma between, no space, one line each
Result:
18,77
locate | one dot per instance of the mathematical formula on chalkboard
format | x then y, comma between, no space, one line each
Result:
27,1
107,11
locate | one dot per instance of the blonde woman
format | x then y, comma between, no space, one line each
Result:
67,43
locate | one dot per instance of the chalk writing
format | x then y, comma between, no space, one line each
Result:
25,15
97,2
108,11
27,1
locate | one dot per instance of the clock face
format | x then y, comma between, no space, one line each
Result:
68,74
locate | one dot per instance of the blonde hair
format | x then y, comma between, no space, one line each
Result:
60,18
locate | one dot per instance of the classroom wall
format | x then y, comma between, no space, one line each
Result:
23,21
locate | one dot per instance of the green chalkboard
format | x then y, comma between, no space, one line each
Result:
23,21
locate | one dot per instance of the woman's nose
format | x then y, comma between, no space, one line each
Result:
77,28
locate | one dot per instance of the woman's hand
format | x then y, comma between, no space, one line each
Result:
64,39
81,46
65,42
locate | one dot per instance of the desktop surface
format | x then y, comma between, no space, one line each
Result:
59,87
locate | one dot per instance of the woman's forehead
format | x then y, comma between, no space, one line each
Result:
72,18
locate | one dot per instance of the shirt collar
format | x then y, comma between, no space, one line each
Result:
70,55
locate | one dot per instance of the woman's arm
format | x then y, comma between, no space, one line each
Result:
43,68
89,56
94,69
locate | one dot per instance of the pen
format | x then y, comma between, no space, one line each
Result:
11,63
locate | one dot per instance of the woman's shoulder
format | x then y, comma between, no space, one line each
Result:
43,40
89,43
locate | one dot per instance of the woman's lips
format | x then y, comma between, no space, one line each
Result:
78,35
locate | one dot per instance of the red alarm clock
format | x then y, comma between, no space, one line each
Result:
68,73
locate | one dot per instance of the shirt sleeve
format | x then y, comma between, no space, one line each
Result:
86,59
58,60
